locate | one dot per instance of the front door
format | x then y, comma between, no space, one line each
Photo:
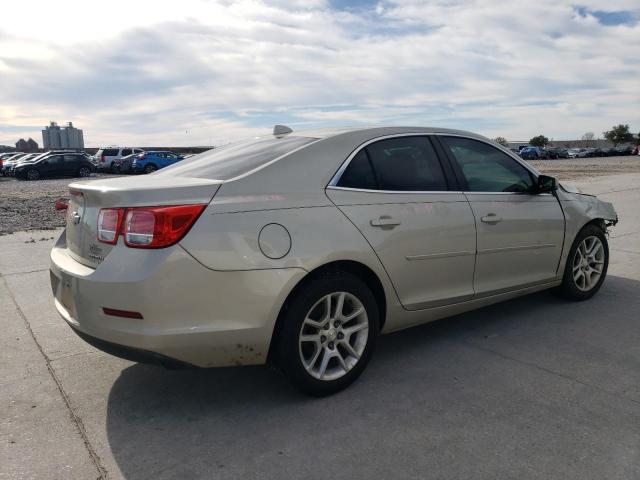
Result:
520,232
395,192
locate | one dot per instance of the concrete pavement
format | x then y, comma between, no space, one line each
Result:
532,388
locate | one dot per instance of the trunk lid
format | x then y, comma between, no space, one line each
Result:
88,197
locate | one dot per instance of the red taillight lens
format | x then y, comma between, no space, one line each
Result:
159,227
147,227
109,222
103,159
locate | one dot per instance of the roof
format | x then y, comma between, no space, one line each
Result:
379,130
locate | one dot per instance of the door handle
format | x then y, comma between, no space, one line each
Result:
384,222
492,218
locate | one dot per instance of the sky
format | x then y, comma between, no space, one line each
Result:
204,72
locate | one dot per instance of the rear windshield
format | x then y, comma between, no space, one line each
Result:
224,163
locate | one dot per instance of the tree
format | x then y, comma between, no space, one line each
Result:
502,141
539,141
618,134
587,137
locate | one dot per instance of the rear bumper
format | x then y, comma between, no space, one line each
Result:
132,354
191,314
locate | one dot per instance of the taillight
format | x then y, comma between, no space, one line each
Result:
103,158
159,227
147,227
141,156
109,222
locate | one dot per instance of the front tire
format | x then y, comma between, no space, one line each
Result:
84,172
33,175
150,168
587,264
329,333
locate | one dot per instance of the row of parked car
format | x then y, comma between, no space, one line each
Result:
59,163
550,153
134,160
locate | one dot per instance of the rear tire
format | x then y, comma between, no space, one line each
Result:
84,172
587,264
150,168
329,333
33,175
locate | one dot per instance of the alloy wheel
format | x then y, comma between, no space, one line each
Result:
588,263
333,336
33,175
84,172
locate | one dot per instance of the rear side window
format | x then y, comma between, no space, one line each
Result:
408,164
126,151
230,161
71,158
359,173
487,169
110,152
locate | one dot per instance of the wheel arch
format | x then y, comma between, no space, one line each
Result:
365,273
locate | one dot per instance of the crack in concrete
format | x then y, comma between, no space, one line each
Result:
10,274
77,421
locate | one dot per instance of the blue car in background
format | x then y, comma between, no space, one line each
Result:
151,161
534,153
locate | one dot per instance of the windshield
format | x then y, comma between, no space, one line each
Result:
224,163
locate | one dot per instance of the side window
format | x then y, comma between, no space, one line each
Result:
125,151
487,169
70,158
406,164
359,173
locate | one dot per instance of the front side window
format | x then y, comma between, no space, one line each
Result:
486,169
396,164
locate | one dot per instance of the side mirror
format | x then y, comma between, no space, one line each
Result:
547,184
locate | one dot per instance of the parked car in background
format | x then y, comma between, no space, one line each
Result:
123,165
534,153
623,150
302,248
599,152
578,153
557,152
151,161
56,165
105,157
9,162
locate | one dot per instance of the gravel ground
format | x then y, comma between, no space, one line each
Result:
30,205
581,168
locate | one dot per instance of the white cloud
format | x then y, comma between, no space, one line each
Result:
194,71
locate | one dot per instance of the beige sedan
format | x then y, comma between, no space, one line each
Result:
301,248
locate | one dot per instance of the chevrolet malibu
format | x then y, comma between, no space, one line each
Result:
299,249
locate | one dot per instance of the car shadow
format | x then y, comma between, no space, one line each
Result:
439,396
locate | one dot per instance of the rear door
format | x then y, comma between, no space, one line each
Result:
71,164
520,232
396,192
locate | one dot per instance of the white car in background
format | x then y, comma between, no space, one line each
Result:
578,153
105,156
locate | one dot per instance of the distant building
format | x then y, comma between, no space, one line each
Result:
23,145
55,137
